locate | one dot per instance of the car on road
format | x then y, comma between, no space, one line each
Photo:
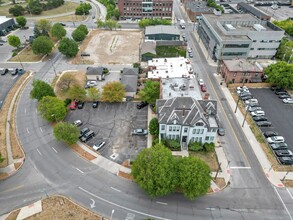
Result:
99,145
275,139
279,146
189,50
283,153
288,101
77,123
73,105
259,118
258,113
200,82
286,96
83,131
203,88
264,124
90,134
285,160
221,131
270,134
139,131
95,104
141,105
190,54
80,105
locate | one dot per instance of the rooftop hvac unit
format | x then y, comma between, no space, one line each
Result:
259,27
230,27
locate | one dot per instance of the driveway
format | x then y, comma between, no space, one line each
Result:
281,115
113,123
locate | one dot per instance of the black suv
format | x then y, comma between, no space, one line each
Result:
80,105
141,105
87,136
83,131
270,134
95,104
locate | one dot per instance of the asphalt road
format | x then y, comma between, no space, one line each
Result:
6,82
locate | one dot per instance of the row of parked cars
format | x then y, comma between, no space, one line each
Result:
12,71
283,94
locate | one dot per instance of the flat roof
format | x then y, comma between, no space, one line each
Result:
173,67
4,19
162,29
180,87
199,6
243,65
253,10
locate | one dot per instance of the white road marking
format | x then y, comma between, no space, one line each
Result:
39,152
120,206
283,203
55,150
79,170
36,110
27,130
115,189
162,203
289,193
25,111
240,168
41,129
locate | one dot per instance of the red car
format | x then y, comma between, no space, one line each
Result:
203,88
73,105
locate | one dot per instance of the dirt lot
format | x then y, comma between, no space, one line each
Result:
111,47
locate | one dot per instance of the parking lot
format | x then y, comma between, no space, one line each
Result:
113,123
280,114
6,82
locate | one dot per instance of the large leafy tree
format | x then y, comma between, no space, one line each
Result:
44,26
66,81
151,92
193,177
154,170
17,10
284,50
154,127
14,41
66,132
93,93
41,89
52,109
280,74
58,31
42,45
83,28
113,92
21,21
77,93
68,47
83,9
78,35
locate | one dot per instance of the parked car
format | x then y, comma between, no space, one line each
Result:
91,83
80,105
189,50
279,146
273,87
90,134
282,92
247,97
259,118
283,153
141,105
285,96
73,105
251,101
258,113
264,124
245,93
84,54
221,131
203,88
95,104
3,71
190,54
253,105
62,24
275,139
288,101
270,134
200,82
77,123
285,160
83,131
139,131
252,109
99,145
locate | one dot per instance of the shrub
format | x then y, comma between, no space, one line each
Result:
155,141
195,146
154,126
67,101
172,144
14,54
209,147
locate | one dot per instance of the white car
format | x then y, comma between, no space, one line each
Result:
200,82
276,139
99,145
258,113
288,101
77,123
189,50
91,83
251,101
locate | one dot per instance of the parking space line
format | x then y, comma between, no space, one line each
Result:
283,203
162,203
115,189
41,129
55,150
39,152
27,130
289,193
79,170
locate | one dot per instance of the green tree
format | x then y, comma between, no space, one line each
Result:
41,89
52,109
83,28
83,9
113,92
42,45
154,127
111,24
280,74
66,132
16,10
58,31
34,7
151,92
93,93
21,21
209,147
1,158
100,24
154,169
195,146
78,35
147,22
193,177
68,47
77,93
44,26
14,41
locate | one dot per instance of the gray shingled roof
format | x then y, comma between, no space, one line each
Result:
185,110
129,78
94,70
162,29
148,47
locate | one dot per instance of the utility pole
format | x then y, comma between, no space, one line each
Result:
245,117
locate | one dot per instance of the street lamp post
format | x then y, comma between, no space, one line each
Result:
112,214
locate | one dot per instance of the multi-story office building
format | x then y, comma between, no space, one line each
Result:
232,36
138,9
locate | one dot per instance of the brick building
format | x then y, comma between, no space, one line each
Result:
138,9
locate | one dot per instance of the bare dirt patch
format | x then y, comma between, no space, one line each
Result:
210,158
111,47
68,18
26,55
82,152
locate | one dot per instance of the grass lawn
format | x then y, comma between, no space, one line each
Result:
4,9
170,51
72,17
210,158
26,55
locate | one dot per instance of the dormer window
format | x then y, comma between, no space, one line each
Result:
199,124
